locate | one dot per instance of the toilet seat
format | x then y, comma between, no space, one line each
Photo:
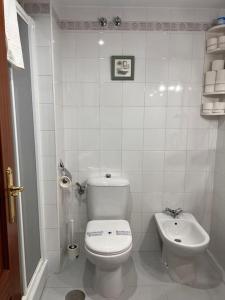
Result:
108,237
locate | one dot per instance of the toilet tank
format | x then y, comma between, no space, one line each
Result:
107,198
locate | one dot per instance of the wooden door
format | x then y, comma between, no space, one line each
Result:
10,287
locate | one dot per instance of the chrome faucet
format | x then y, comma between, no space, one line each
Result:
174,212
80,188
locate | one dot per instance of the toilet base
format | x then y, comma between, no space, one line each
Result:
181,269
108,283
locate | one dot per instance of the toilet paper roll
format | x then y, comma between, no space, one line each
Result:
65,182
222,45
210,77
218,65
212,47
219,105
211,41
220,76
73,251
220,87
210,88
221,39
208,105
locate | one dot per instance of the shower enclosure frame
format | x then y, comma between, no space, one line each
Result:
34,288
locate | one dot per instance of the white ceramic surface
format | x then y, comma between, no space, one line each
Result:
183,236
108,279
107,198
108,239
114,236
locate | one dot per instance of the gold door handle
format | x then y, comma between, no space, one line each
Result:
13,192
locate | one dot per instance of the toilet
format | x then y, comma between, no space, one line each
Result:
108,238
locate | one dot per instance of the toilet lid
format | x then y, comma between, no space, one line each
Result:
108,237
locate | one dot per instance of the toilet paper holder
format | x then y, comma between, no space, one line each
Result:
64,170
80,187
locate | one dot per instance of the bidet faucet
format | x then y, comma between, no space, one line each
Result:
174,212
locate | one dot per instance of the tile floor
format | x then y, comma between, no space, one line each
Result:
144,277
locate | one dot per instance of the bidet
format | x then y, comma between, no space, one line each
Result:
183,238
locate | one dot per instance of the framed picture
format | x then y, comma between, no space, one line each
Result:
122,67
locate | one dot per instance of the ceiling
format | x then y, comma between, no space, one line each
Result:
146,3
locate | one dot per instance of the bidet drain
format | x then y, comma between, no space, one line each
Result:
178,240
75,295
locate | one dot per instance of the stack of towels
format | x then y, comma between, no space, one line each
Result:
214,43
215,79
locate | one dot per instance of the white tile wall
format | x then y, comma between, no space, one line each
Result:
138,13
51,126
48,141
218,205
149,129
59,141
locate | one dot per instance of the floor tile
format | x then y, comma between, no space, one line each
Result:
217,293
182,292
145,278
75,273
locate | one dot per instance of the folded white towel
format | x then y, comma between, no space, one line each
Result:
14,48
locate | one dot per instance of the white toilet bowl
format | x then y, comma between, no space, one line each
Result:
108,244
183,238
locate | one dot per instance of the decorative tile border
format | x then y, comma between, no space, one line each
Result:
135,26
37,8
44,8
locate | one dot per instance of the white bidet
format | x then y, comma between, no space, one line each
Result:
183,238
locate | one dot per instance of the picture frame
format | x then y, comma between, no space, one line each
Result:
122,67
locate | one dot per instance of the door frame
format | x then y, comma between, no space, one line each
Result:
34,288
10,276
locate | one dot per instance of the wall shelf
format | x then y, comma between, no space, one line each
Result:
212,114
214,94
210,56
217,29
216,51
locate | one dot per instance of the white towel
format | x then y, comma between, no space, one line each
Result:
14,48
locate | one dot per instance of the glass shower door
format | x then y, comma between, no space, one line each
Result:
25,156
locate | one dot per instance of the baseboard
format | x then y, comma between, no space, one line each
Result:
215,261
37,283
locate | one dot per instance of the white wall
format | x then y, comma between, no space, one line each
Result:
165,14
218,210
58,107
49,132
148,130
